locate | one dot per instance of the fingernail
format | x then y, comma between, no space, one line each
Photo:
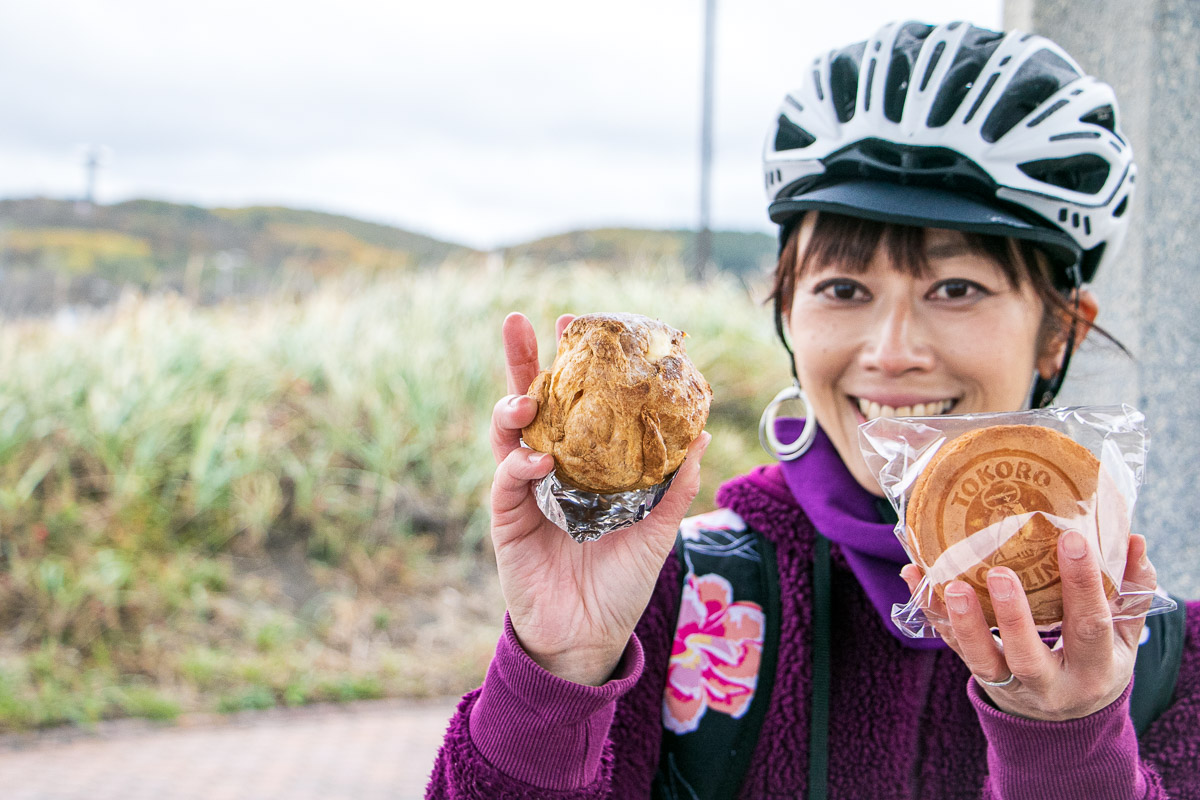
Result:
535,458
1000,586
957,602
1074,545
513,399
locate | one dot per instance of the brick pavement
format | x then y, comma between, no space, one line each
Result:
363,751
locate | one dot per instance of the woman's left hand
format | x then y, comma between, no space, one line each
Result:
1095,662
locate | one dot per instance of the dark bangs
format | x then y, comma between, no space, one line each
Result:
851,243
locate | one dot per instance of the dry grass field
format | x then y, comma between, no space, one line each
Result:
282,502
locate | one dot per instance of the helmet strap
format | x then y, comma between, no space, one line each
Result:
1046,389
785,231
779,329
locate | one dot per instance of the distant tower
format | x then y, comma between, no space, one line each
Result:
91,162
94,157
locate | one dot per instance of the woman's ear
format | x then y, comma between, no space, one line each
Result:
1054,347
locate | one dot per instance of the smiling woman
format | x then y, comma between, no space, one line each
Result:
943,194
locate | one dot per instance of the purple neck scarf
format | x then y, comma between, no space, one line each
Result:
845,513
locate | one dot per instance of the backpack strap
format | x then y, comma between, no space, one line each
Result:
822,676
708,741
1157,667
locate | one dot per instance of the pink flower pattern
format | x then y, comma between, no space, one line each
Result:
715,658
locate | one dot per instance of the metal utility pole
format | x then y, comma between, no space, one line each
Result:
704,237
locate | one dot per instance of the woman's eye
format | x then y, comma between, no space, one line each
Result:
957,290
843,290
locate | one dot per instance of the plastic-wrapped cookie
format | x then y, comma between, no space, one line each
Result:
1001,496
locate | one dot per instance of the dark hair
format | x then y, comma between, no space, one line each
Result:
852,242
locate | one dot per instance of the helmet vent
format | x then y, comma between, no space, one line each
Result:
933,61
905,51
790,136
870,82
982,95
896,88
1058,137
1042,74
977,47
1104,116
817,83
1085,173
1121,206
1040,118
905,163
843,80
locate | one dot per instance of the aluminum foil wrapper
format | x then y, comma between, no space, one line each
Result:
586,516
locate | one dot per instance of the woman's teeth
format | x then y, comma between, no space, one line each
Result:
872,410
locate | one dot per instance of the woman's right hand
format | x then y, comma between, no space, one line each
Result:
573,606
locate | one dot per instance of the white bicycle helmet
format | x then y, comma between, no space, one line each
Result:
958,127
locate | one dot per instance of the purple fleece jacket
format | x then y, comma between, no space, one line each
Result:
904,723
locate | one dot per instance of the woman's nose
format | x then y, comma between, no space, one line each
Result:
897,343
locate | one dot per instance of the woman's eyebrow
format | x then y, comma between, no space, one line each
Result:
947,250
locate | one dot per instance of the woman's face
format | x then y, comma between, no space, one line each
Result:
958,340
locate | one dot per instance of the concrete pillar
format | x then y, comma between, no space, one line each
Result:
1149,50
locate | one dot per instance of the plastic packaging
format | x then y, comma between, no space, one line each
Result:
586,516
991,510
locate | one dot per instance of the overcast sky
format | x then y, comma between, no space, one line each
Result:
478,122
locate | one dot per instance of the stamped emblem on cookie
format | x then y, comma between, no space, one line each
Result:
1001,496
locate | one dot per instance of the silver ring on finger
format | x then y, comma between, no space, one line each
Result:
998,684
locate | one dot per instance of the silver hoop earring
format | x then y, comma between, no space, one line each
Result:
786,451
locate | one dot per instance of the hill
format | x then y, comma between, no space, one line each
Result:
56,253
742,254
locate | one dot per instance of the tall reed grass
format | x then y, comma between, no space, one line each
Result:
285,501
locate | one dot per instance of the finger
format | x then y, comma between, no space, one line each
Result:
928,599
973,640
931,605
561,325
512,490
679,496
509,416
520,353
661,525
1140,576
1024,653
1087,630
911,574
